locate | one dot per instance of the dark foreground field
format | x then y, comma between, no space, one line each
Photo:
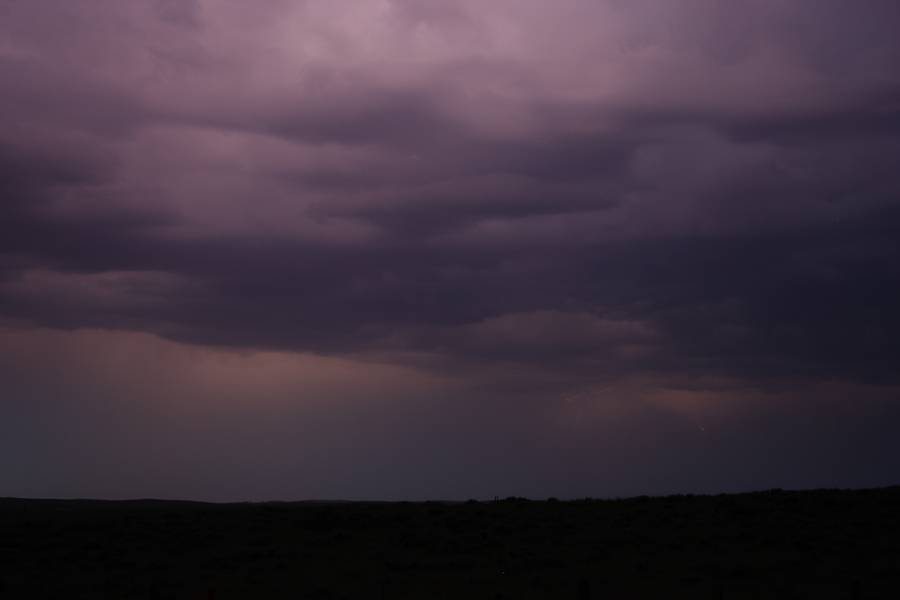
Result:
818,544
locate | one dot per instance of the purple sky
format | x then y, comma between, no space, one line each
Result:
407,249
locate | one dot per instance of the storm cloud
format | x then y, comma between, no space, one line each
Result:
659,209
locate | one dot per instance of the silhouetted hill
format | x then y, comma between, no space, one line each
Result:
774,544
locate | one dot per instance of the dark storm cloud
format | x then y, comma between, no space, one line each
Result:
420,249
42,95
723,185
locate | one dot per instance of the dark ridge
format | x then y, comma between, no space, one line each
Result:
840,544
160,502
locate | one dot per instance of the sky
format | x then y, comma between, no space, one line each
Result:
422,249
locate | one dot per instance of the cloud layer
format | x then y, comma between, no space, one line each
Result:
520,200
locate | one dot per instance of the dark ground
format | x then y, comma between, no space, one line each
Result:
816,544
